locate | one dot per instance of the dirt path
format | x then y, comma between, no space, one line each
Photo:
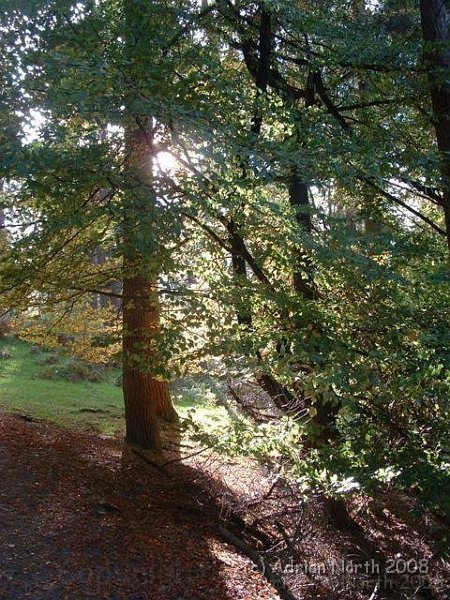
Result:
78,520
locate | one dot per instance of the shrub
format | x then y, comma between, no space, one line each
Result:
49,359
74,370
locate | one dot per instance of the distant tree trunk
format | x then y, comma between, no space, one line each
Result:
3,230
5,317
98,300
302,278
98,257
101,254
435,16
116,288
244,313
146,393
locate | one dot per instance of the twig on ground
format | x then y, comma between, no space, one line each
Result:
274,579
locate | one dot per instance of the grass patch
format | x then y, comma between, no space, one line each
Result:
24,391
84,404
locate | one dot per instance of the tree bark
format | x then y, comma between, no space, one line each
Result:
282,398
435,17
257,58
147,397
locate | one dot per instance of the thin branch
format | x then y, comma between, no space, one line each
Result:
396,200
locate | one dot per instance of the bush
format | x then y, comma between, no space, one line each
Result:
74,370
49,359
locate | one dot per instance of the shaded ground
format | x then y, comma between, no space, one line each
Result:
79,520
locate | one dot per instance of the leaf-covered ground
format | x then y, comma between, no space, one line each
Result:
80,519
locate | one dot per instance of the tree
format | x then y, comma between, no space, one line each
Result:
62,174
147,397
360,139
435,18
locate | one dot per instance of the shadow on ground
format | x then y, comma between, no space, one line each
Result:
80,519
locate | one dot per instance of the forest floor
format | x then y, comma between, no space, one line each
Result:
80,519
83,518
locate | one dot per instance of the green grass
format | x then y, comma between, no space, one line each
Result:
97,406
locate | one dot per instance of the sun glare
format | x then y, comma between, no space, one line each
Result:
166,162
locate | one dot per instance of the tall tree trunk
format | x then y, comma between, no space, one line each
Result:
146,393
258,61
304,285
435,16
147,397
